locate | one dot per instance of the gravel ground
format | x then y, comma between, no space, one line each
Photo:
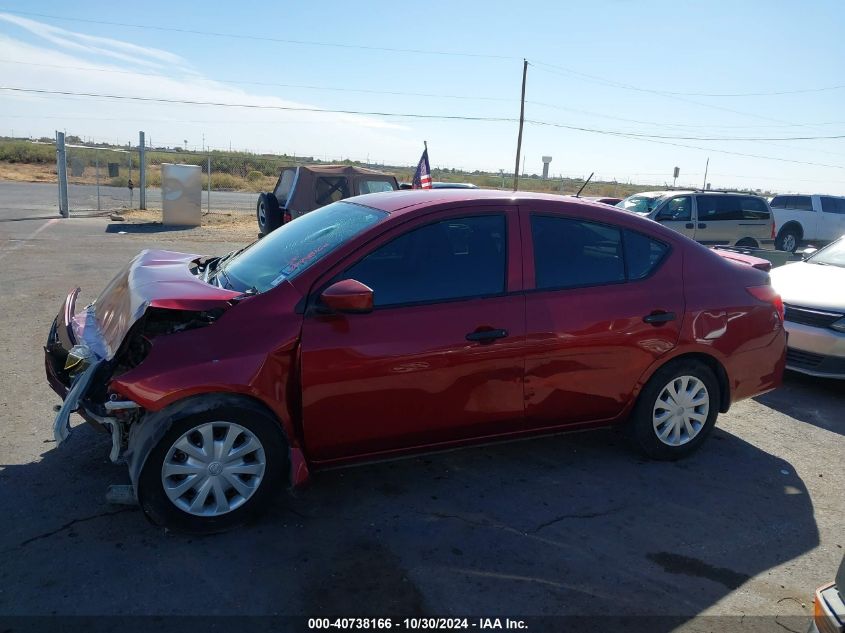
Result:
570,525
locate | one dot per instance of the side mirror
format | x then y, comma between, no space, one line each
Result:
808,251
349,296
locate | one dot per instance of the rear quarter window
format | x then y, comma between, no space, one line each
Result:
833,205
642,254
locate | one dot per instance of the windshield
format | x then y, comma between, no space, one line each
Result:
831,255
295,246
644,203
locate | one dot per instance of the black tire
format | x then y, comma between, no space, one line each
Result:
641,428
162,511
267,213
788,234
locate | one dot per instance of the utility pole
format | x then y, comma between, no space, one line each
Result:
142,174
521,122
61,170
706,167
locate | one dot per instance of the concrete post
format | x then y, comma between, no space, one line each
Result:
61,171
142,174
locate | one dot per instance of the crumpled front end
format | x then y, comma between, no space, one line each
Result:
157,293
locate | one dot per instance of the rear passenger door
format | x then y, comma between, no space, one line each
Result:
719,217
602,303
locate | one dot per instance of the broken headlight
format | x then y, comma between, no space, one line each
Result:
78,359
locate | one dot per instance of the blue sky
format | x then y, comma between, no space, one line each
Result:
605,65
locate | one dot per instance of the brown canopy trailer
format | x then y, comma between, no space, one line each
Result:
305,188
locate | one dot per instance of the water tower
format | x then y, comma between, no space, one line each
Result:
546,161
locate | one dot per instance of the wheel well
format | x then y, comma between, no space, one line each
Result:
792,226
718,371
748,241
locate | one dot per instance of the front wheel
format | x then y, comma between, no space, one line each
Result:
676,410
787,240
213,470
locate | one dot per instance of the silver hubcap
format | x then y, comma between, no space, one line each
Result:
789,242
680,411
262,216
213,469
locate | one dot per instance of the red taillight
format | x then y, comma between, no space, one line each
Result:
767,294
287,217
773,230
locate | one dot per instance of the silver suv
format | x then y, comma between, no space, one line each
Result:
709,217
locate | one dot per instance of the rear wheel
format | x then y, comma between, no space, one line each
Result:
213,470
267,213
676,410
787,240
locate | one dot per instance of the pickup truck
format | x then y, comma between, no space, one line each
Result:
813,218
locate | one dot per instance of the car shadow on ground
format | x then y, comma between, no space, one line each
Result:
816,401
571,525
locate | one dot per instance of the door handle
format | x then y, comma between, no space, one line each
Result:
701,225
486,336
690,225
656,318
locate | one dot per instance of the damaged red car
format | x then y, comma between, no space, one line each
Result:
395,323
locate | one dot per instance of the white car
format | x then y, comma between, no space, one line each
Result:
815,218
813,293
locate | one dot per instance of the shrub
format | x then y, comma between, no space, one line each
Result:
254,176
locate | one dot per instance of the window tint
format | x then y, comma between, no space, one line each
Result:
570,253
642,254
754,209
374,186
677,209
711,208
833,205
330,189
452,259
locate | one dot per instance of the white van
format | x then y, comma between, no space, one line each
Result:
709,217
816,218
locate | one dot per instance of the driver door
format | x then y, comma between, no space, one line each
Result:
440,357
677,214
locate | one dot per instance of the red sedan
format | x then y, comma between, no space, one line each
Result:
404,322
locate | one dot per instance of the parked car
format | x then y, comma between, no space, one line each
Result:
816,218
829,605
305,188
406,322
708,217
813,292
604,200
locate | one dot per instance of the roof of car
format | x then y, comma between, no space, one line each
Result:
337,170
394,201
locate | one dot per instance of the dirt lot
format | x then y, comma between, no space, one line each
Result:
573,525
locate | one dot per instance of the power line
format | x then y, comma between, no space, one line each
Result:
263,38
262,83
410,115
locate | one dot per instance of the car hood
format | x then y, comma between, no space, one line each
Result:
159,279
811,285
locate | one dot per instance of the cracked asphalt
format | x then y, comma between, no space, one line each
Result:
570,525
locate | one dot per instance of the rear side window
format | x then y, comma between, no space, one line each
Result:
833,205
374,186
642,254
754,209
330,189
570,253
454,259
799,203
712,208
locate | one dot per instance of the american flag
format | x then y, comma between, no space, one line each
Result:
422,177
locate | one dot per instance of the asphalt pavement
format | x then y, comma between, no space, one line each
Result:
572,525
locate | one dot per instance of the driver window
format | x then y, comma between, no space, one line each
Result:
677,209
